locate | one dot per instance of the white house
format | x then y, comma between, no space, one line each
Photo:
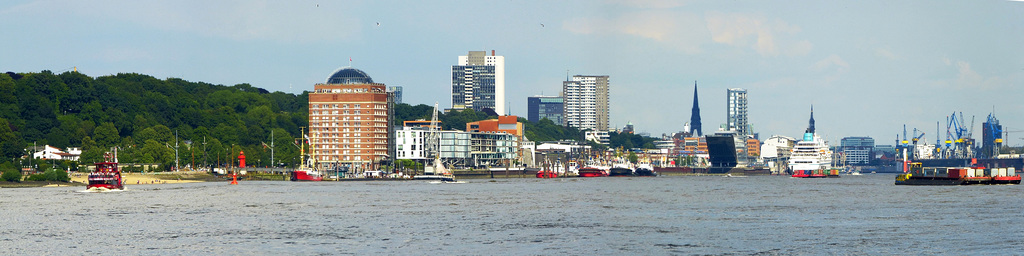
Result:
48,152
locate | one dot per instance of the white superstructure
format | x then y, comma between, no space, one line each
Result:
810,153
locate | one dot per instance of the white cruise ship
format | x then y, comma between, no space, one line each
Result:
811,157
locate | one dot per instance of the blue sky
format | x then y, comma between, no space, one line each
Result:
867,66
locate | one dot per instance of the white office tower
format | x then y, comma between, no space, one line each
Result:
586,102
478,82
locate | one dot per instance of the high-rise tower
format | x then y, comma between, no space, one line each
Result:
586,102
736,109
478,82
695,115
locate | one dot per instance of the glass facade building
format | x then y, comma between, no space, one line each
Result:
540,107
478,82
857,150
736,109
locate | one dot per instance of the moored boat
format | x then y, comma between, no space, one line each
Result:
547,173
307,171
645,170
107,175
620,170
591,171
436,172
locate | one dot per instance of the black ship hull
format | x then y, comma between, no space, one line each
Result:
620,172
645,172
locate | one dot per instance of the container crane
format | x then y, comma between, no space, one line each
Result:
958,138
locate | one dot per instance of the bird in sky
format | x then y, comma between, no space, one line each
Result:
542,25
378,24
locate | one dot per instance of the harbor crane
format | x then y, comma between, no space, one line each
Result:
959,143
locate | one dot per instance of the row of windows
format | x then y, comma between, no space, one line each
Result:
347,90
356,106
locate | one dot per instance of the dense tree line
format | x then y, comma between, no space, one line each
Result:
140,115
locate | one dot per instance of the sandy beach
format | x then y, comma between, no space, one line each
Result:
136,179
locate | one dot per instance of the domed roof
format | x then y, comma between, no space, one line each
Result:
348,75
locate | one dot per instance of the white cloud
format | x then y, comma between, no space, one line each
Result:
681,30
767,37
830,62
968,78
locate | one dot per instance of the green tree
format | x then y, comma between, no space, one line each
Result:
11,145
632,157
57,175
106,135
156,152
91,153
10,173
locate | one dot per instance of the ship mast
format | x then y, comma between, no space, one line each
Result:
302,149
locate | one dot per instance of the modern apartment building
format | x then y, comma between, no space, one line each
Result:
586,102
736,111
459,148
478,82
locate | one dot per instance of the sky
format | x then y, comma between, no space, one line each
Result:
867,67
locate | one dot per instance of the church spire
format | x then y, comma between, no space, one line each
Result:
695,115
810,128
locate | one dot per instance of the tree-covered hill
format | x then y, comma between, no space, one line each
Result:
140,115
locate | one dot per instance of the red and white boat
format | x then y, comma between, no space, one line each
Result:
107,175
307,174
590,171
544,174
307,171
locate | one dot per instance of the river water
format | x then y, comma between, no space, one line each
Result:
668,215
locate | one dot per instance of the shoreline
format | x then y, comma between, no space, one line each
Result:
140,179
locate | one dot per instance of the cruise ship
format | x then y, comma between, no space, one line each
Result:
811,157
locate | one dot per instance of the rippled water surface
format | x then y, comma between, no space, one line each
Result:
578,216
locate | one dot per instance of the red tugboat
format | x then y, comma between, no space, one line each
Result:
592,172
107,175
547,174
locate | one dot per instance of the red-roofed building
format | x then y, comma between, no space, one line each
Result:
507,124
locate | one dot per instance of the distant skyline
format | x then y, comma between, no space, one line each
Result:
868,67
